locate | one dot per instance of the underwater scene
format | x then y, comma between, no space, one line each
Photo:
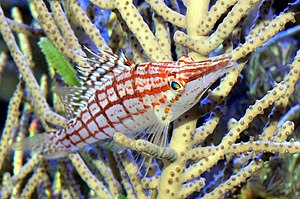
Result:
117,99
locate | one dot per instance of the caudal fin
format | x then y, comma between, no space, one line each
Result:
42,144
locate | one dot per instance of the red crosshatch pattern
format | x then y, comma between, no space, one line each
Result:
130,100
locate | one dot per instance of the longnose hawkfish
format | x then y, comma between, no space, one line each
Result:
119,96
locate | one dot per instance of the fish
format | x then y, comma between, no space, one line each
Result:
117,95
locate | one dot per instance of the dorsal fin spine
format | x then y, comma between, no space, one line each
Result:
101,68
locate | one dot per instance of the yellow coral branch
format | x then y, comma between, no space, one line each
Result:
88,26
25,170
24,69
12,118
96,185
140,29
167,13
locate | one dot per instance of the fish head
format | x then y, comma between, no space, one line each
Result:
188,80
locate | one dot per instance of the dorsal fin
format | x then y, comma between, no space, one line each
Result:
101,68
71,97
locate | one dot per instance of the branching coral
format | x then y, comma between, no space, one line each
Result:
198,145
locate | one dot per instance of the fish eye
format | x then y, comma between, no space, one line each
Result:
175,84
